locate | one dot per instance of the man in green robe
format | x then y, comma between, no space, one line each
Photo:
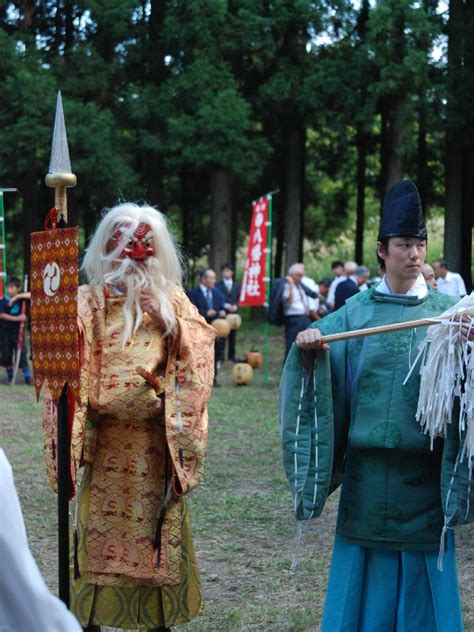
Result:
348,416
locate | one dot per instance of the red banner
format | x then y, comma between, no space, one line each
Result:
254,282
54,335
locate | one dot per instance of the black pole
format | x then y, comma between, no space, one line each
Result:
63,496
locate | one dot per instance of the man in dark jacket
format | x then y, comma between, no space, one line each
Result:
231,291
208,299
210,303
352,285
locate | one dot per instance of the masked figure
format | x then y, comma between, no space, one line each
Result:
139,432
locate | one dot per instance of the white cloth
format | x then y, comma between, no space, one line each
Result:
228,283
299,306
453,284
419,287
313,303
331,297
26,605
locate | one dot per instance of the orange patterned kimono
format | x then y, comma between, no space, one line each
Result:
140,431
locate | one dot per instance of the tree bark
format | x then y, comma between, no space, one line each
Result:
394,137
422,156
29,190
361,183
454,141
221,218
467,206
468,157
279,232
293,180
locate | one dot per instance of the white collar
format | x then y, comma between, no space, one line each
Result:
419,287
204,288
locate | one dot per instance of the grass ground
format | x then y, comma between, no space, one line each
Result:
242,522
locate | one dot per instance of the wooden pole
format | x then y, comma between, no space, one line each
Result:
266,344
382,329
64,455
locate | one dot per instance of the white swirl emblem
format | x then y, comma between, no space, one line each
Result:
51,278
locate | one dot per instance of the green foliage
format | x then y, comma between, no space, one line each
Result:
159,94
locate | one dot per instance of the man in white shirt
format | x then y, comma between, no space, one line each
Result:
296,306
313,303
349,271
448,282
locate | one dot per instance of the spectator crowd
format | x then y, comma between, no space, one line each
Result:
296,301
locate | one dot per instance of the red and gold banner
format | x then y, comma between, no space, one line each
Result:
54,334
255,279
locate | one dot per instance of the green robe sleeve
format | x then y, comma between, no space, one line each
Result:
314,421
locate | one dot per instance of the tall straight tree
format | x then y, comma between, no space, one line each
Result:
395,30
210,123
459,138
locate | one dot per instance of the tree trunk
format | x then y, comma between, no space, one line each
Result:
468,158
361,183
157,72
454,140
422,156
293,180
30,220
467,206
68,26
395,168
278,224
221,218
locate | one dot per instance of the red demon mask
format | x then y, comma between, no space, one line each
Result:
139,247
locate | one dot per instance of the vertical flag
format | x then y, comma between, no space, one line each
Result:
256,279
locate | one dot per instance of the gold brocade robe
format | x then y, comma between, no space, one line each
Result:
139,430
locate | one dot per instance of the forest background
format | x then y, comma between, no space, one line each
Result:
201,106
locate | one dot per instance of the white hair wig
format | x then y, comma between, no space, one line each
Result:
159,274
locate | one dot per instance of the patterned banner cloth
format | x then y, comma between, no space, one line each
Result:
54,334
254,282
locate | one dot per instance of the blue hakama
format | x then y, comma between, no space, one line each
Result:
381,590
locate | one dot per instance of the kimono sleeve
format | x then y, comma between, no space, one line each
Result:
188,385
312,413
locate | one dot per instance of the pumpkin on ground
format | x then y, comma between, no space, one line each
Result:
234,320
255,359
222,327
242,373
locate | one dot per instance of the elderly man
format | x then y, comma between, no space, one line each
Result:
429,276
296,306
450,283
348,414
140,430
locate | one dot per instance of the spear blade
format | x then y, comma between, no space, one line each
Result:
60,175
60,161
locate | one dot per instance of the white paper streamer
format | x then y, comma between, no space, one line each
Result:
447,372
